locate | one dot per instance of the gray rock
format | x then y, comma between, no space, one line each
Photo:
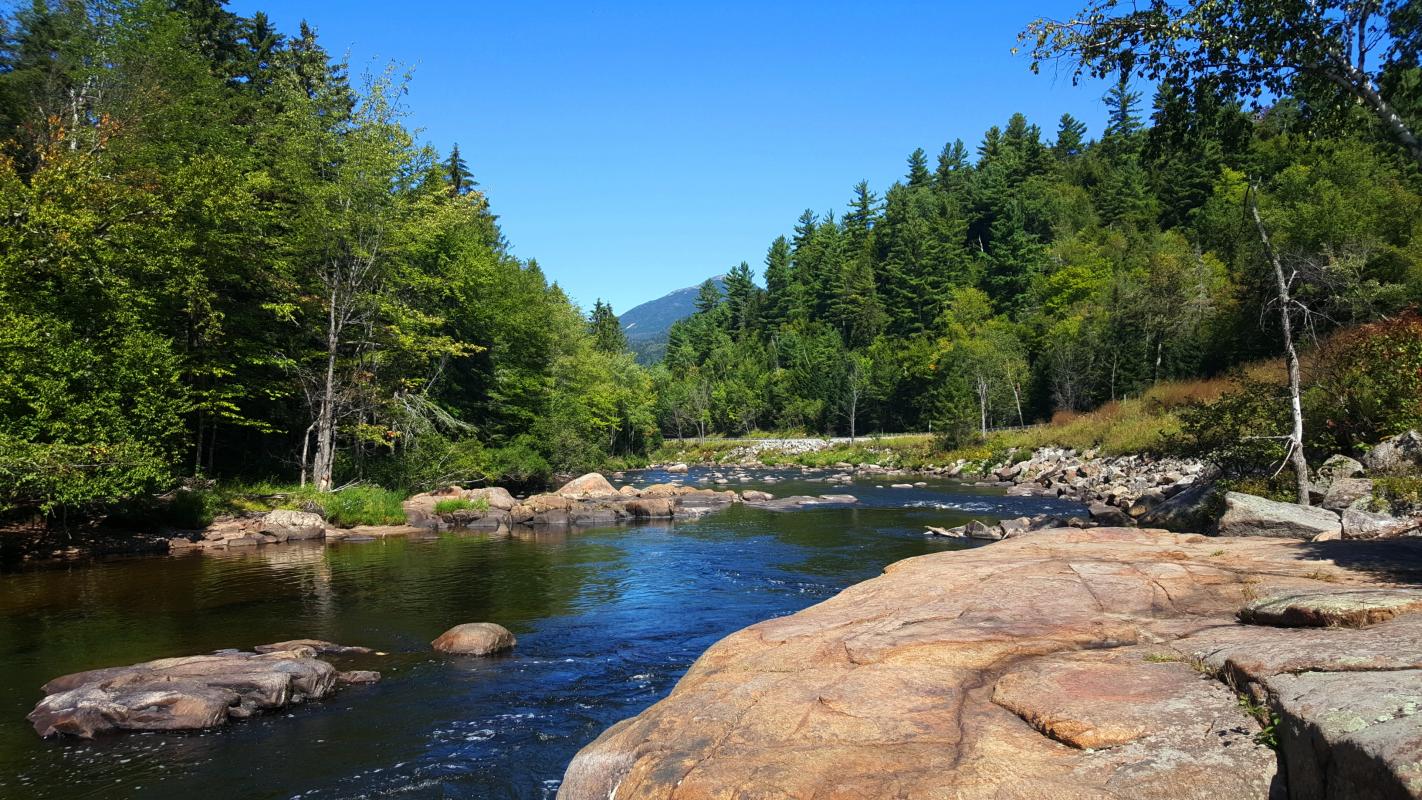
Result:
293,525
1247,515
981,530
1350,734
1332,608
185,693
1398,453
1338,466
1344,491
1189,511
1110,516
1360,523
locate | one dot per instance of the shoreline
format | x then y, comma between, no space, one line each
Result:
1104,662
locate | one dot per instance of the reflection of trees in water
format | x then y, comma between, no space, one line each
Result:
423,586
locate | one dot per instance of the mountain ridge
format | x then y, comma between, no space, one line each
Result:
647,325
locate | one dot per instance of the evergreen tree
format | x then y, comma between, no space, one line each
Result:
741,300
918,174
457,175
708,297
779,285
953,167
606,330
1071,137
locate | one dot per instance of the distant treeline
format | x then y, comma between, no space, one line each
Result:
1041,272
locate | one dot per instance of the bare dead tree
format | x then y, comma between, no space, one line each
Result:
1283,284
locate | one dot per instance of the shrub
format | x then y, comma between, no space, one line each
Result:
1368,384
363,505
1398,495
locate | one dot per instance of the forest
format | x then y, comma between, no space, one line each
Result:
225,254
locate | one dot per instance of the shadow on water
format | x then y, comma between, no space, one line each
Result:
607,619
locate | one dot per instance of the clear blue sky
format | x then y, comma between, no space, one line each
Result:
634,148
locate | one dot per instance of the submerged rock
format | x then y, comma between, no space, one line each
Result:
475,639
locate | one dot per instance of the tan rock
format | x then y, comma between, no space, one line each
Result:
497,497
1085,639
289,525
592,484
475,639
650,508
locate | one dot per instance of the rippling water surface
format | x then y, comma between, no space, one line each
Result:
607,619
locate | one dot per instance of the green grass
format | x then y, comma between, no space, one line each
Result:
454,504
196,508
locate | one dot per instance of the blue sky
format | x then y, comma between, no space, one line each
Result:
634,148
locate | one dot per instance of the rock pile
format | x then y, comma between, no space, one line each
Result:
587,500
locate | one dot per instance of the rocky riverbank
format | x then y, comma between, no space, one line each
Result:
589,500
1113,662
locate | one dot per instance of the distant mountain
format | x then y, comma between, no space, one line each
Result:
647,325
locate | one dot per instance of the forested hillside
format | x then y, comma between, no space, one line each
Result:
1037,271
225,254
221,253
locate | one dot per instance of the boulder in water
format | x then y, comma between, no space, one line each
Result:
186,693
475,639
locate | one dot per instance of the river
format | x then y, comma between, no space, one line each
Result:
607,620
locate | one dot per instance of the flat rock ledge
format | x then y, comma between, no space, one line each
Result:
1100,663
191,692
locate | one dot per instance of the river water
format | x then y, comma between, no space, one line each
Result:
607,620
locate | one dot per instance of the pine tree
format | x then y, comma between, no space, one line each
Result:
708,297
779,285
859,221
1123,115
918,174
1071,138
741,298
457,174
953,167
606,329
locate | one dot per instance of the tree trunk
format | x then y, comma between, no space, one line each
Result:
982,405
305,449
853,412
325,420
1017,398
1295,455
